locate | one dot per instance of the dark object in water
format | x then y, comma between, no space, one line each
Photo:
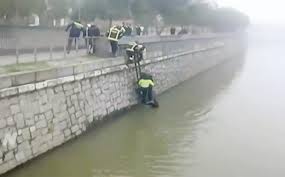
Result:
153,103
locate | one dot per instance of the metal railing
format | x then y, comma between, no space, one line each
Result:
156,46
50,52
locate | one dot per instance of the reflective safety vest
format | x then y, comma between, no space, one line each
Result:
145,83
78,25
114,34
132,46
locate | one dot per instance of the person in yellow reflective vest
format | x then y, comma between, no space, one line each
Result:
131,50
145,87
114,35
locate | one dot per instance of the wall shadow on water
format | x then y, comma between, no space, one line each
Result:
142,142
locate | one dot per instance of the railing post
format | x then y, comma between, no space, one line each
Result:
36,54
87,44
64,51
50,52
17,54
76,44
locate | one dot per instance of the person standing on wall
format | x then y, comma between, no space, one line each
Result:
93,32
172,30
74,28
129,30
114,35
138,30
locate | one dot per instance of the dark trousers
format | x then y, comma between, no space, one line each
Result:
69,44
114,47
91,45
146,94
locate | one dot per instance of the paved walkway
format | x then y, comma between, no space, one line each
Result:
69,61
39,57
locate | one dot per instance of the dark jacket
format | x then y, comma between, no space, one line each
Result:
128,31
74,31
97,31
92,31
172,30
138,30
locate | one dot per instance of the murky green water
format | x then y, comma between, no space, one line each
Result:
227,122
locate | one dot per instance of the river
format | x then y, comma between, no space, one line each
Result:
226,122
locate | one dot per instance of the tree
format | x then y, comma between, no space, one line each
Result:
17,8
173,12
58,8
142,12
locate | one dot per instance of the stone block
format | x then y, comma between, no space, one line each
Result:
8,92
41,85
67,133
20,139
46,75
79,69
29,122
15,109
78,133
58,140
82,119
78,114
43,100
60,117
74,129
12,163
36,142
25,78
90,118
62,125
20,157
19,132
4,167
5,82
73,119
89,74
52,83
106,70
66,71
33,129
10,121
67,87
41,117
58,89
67,79
41,124
71,110
26,134
27,88
43,148
8,156
49,115
3,123
48,137
19,119
97,73
24,146
79,77
44,131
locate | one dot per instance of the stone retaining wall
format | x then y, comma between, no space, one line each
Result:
48,113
